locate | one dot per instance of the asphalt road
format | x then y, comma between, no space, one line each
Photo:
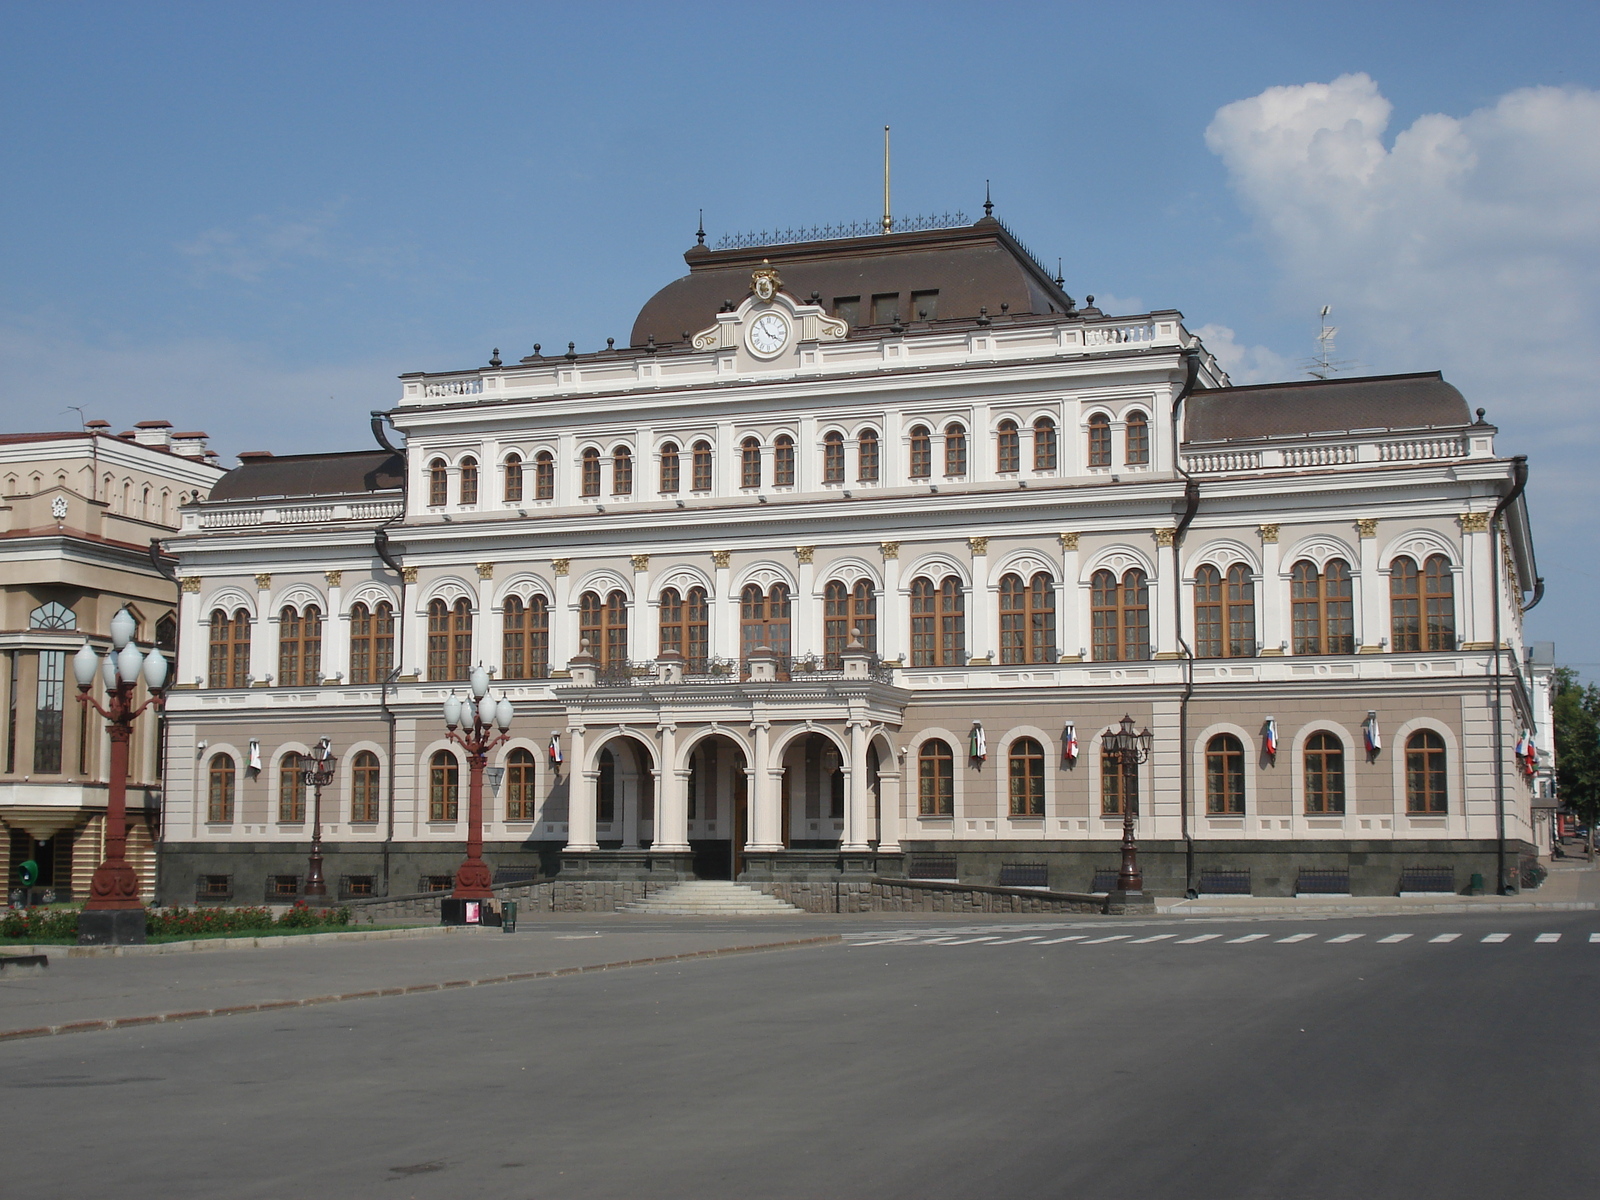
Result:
881,1066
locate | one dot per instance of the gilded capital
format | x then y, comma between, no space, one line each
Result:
485,570
804,554
560,565
1166,535
978,545
334,578
263,582
189,583
1269,533
1069,541
1475,522
1367,527
890,550
720,558
641,562
409,574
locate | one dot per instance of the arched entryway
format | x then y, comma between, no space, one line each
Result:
814,793
719,806
624,795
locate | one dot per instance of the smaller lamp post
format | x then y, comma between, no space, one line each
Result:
1130,749
317,776
479,718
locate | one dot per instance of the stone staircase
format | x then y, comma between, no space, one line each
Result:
712,898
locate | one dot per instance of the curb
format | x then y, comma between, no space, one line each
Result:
269,942
1178,909
10,1035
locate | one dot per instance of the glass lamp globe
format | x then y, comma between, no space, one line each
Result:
480,682
452,710
486,708
123,627
84,664
155,670
129,663
503,712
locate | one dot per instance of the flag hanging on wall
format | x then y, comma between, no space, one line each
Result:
1069,744
555,749
1369,730
1269,740
978,745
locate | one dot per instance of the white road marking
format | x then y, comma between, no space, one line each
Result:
1032,937
1547,938
1494,939
970,941
1115,937
1445,937
1204,937
1160,937
1593,938
1071,937
1346,937
1296,937
938,941
1393,938
1249,937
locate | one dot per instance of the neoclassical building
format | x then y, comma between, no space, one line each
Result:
842,566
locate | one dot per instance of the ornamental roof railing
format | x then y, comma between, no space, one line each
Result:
828,233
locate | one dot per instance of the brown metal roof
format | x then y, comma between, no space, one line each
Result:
312,475
1324,406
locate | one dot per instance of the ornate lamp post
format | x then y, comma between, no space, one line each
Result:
1130,749
479,718
114,914
317,776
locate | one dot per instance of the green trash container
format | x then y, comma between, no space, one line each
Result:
1475,885
508,916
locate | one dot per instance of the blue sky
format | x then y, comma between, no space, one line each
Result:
249,218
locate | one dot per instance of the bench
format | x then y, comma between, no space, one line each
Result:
1428,880
1024,875
1224,883
1323,881
931,866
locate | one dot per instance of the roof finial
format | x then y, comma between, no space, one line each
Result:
988,204
700,234
888,221
495,360
1060,278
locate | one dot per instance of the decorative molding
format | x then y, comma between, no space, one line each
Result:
560,565
1069,541
804,554
409,574
486,570
189,583
1166,535
1474,522
978,545
641,562
719,559
334,578
1269,533
889,550
1367,527
263,582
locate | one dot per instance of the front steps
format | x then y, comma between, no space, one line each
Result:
712,898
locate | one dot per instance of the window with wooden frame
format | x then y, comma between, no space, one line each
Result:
783,461
686,626
621,471
525,638
1027,619
1119,785
229,665
589,476
438,483
1224,613
513,479
845,609
936,779
833,457
701,481
365,793
1426,781
763,619
1324,774
669,468
1099,440
221,778
371,642
544,476
299,646
1025,768
469,481
867,456
521,801
1136,439
1422,605
449,640
1119,611
1224,776
444,787
604,622
938,623
1322,605
291,788
921,452
750,463
1044,444
955,450
1007,449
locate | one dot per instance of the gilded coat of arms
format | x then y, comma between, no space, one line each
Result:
765,282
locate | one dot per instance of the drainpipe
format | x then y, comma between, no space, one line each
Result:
1191,504
380,545
1519,481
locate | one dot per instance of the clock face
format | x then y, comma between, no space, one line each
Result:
768,334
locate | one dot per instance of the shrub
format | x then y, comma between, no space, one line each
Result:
303,916
39,923
198,922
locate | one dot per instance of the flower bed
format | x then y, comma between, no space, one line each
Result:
168,924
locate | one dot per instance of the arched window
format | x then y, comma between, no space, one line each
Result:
605,624
229,665
438,483
1008,449
1026,769
686,627
750,463
621,471
1099,440
544,476
701,481
844,609
833,457
783,461
867,456
938,623
1119,784
1323,608
1425,775
1324,761
763,619
1044,444
364,790
371,642
1136,437
299,646
444,786
1120,616
1225,776
519,782
1422,605
955,450
52,616
936,779
1027,619
1224,613
513,482
669,468
469,481
449,640
590,473
525,640
921,452
221,775
291,788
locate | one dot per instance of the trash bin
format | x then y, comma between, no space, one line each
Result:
508,916
1475,885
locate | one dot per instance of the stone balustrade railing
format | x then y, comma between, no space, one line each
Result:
299,514
1328,454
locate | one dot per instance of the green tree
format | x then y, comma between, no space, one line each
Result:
1577,721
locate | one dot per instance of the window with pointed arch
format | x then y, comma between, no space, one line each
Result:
936,779
921,466
1044,444
1027,619
1008,449
1119,785
365,792
867,456
519,783
846,608
444,787
1324,774
1025,768
833,457
1224,776
513,479
669,468
589,473
1224,612
292,788
1322,605
469,481
604,622
299,646
1136,439
371,641
221,779
525,638
701,468
764,619
621,471
449,640
1099,440
783,461
938,623
686,626
229,665
167,633
955,450
1422,604
438,483
750,463
1426,781
1119,614
544,476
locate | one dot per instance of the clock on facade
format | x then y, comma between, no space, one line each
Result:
769,333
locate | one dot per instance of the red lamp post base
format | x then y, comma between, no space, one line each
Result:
473,881
114,886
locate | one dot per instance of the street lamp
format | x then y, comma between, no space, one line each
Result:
317,776
479,718
1130,749
114,914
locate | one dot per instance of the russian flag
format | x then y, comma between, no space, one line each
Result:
555,749
1369,730
978,745
1270,739
1069,743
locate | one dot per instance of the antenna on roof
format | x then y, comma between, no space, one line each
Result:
1323,365
888,221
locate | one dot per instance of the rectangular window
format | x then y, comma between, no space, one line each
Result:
925,305
49,711
11,715
848,309
885,307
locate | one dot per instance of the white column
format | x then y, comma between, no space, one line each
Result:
1161,635
892,465
725,466
642,623
1274,598
858,796
264,637
724,611
413,651
892,640
806,453
982,639
581,787
491,476
888,810
194,637
567,471
672,795
486,629
980,445
1370,625
763,824
1478,558
806,637
563,621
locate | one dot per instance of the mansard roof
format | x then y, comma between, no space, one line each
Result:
261,477
1313,406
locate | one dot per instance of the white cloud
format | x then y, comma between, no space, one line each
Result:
1244,364
263,245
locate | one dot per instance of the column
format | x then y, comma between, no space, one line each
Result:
980,445
1073,618
725,466
724,610
1370,625
1478,558
806,455
264,637
581,790
414,650
486,627
893,464
807,635
563,621
981,638
1161,635
888,808
642,621
763,825
335,629
1273,617
672,795
892,640
858,796
566,470
194,637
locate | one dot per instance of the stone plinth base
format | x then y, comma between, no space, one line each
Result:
111,927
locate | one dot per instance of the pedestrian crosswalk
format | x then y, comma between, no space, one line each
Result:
1054,937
